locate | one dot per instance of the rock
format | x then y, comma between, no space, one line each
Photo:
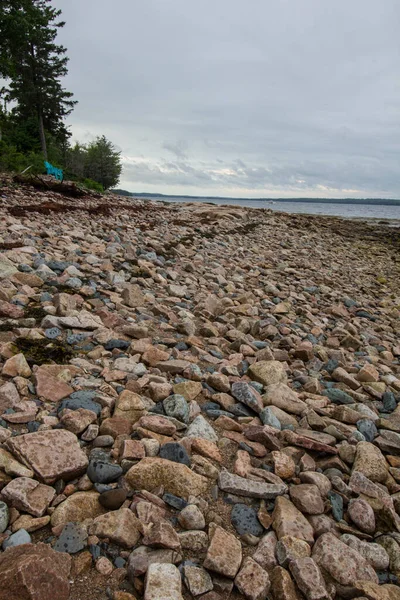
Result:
103,472
142,557
269,418
129,406
4,516
13,467
132,296
375,554
288,520
77,508
19,538
282,585
234,484
161,535
247,395
16,366
319,479
197,580
309,579
290,548
51,454
34,572
50,387
340,562
200,428
30,524
104,566
163,582
175,452
120,526
177,407
268,372
224,554
113,499
188,389
265,551
281,396
252,580
307,498
370,462
194,541
73,539
78,420
176,478
28,495
7,268
191,517
362,515
244,519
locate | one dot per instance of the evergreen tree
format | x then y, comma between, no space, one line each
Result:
103,162
34,64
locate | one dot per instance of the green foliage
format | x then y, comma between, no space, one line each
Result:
93,185
103,162
33,64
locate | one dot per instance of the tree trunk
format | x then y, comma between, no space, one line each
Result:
42,136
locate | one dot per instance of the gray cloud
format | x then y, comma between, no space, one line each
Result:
241,98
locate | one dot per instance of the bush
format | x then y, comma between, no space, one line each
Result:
93,185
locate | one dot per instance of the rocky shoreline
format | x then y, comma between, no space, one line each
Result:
196,402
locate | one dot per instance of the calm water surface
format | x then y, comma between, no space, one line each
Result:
366,211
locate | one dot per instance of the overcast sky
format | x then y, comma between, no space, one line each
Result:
245,98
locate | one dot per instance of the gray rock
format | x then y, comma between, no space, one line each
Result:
73,538
17,539
234,484
103,472
175,452
368,429
268,418
200,428
4,516
177,407
244,519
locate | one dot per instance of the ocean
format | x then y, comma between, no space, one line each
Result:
361,211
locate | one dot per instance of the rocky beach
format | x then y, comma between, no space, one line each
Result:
196,401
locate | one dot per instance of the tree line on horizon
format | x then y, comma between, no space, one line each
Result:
34,104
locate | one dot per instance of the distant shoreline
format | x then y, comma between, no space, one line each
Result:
366,201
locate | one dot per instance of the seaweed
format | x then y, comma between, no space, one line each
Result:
40,352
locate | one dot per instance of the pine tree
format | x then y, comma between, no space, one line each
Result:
103,162
34,64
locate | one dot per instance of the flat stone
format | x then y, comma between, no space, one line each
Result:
34,572
73,538
52,455
283,397
50,387
176,478
247,395
340,562
13,467
161,535
188,389
163,582
307,498
288,520
30,524
244,519
142,557
374,554
18,538
252,580
28,495
309,579
268,372
234,484
78,420
120,526
224,554
17,366
132,296
77,508
265,553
